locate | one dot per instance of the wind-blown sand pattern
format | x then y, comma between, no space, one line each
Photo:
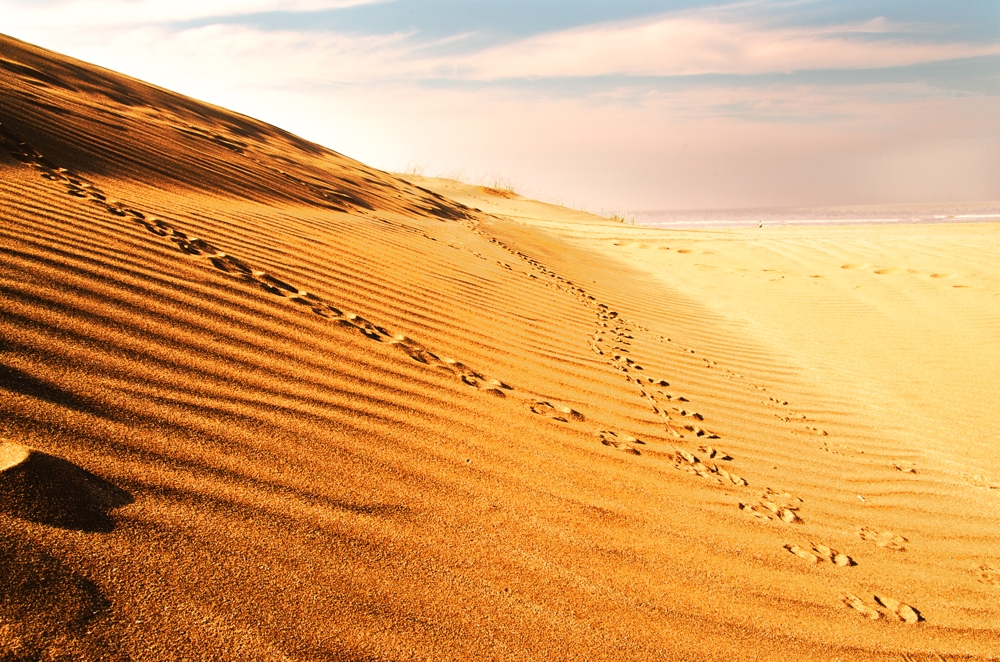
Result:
260,401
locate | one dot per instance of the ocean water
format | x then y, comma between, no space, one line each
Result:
749,218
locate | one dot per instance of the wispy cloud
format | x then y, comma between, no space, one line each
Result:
753,103
117,14
691,45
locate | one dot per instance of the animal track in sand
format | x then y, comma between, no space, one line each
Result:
982,482
195,247
884,539
883,606
560,413
701,432
781,506
987,574
858,605
715,453
611,337
819,553
611,341
690,463
902,611
623,442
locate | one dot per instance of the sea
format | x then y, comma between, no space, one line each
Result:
783,217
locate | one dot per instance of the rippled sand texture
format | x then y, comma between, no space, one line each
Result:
259,401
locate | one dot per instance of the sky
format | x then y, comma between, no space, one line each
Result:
606,106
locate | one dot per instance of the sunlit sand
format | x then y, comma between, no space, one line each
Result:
260,401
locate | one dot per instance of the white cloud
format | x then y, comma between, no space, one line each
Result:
686,45
117,32
105,14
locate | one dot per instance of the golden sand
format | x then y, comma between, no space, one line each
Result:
289,407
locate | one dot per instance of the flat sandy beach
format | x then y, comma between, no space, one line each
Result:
260,401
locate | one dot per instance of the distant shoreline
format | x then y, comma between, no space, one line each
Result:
748,218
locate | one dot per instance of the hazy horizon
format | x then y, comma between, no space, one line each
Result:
643,105
982,212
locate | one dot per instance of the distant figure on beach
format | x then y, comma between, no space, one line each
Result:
760,224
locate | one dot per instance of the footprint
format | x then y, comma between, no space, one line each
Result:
691,463
982,482
890,271
858,605
883,605
946,276
230,264
562,414
804,554
818,553
714,453
623,442
277,283
884,539
905,466
987,574
781,506
900,610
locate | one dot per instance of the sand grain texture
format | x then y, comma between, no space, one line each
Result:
261,401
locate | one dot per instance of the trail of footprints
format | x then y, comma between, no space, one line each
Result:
785,415
610,340
80,187
896,271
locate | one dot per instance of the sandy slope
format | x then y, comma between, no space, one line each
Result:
264,402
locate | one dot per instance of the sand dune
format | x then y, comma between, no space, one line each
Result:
260,401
